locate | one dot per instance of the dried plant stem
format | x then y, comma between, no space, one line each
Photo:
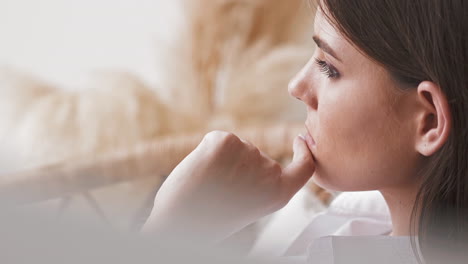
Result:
152,159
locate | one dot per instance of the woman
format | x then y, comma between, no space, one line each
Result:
387,102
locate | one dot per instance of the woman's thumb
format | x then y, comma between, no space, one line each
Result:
301,169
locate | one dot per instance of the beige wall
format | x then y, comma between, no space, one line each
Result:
61,40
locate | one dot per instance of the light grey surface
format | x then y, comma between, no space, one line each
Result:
361,249
32,237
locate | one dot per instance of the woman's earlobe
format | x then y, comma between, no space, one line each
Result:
436,121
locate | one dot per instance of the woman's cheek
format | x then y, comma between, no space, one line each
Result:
339,146
328,154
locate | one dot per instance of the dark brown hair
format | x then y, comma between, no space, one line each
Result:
422,40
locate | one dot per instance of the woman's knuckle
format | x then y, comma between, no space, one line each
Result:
217,136
230,137
255,151
276,168
210,136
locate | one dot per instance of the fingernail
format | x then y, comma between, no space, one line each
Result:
301,136
295,142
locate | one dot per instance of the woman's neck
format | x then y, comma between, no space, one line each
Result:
401,202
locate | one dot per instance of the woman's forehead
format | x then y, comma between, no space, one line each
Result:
330,35
323,28
350,55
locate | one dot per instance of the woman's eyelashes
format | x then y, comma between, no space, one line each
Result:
328,69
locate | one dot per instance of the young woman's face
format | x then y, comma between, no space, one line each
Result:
361,132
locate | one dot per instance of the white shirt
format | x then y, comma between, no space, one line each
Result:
350,214
292,229
354,229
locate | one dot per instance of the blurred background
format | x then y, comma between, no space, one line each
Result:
99,100
62,40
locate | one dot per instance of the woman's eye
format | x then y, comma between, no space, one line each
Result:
327,69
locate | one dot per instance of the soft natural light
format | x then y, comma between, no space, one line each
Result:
61,41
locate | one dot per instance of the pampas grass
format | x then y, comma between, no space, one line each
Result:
227,66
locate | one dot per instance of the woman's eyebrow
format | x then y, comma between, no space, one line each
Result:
325,47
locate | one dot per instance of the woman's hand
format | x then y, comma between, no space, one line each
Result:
224,185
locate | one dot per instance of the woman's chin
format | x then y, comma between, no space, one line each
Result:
331,183
324,182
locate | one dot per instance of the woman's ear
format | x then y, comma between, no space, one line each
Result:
434,121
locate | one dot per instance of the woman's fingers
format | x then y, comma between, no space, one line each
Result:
300,170
225,184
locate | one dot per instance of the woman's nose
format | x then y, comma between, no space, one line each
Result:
296,87
301,88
